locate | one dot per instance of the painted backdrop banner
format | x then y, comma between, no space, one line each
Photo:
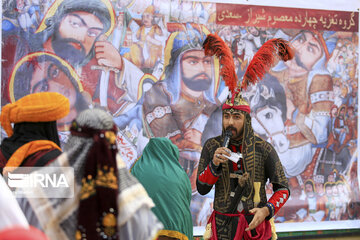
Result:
143,62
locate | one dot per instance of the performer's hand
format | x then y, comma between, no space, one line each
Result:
218,155
259,217
107,55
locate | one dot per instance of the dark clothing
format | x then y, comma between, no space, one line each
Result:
27,132
260,160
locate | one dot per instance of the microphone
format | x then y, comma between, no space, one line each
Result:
228,135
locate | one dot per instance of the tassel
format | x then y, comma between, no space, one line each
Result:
264,58
243,178
208,232
273,230
214,45
256,193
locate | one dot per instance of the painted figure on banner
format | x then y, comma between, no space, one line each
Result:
315,211
226,34
309,96
179,106
243,51
191,12
267,102
46,72
79,37
351,122
320,191
257,36
148,42
78,32
340,131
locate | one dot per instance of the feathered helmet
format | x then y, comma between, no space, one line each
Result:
259,65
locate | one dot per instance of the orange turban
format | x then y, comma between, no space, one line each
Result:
36,107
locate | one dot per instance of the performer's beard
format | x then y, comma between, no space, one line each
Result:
64,49
238,134
198,84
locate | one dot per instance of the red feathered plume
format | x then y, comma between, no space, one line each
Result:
264,58
214,45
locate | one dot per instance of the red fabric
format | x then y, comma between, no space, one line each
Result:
21,233
263,230
214,45
244,108
100,164
276,199
208,177
32,160
264,59
89,80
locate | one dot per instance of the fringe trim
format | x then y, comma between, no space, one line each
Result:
172,234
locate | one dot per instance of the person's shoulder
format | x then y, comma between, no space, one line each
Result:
259,142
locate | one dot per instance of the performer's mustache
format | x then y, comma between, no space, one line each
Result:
230,128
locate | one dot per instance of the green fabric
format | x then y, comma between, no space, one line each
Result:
166,182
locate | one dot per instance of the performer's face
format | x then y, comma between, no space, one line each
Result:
235,122
47,77
76,34
196,70
308,51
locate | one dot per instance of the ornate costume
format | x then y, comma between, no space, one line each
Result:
239,187
108,202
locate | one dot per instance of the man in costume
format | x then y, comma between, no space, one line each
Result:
241,209
34,140
108,202
166,182
179,106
